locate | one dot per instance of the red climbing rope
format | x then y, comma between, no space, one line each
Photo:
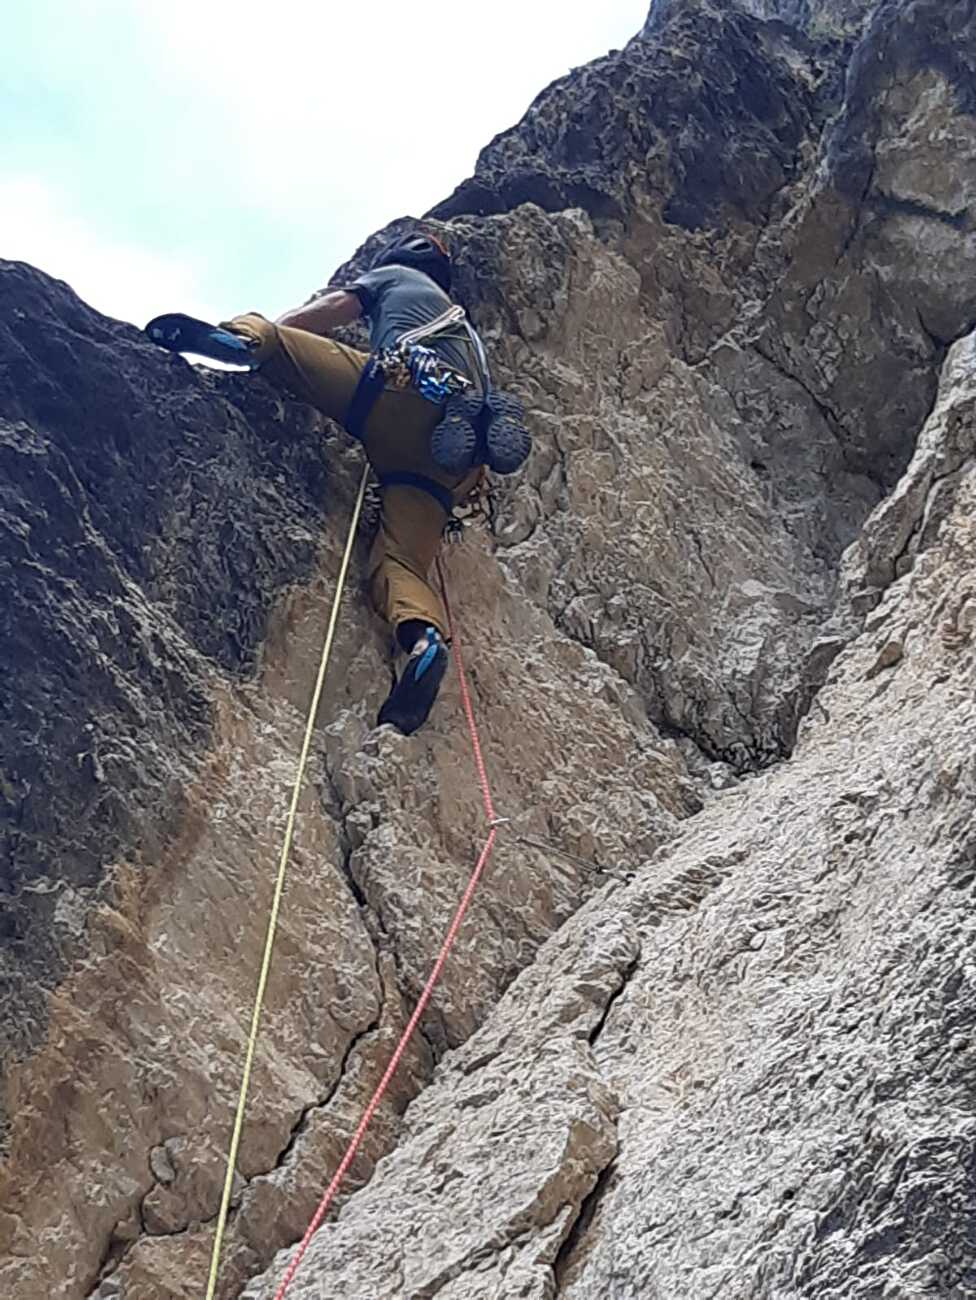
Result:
479,762
442,956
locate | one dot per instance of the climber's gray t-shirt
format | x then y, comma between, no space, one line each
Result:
397,299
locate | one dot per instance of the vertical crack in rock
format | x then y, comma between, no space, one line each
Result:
302,1123
830,417
575,1244
372,914
626,977
108,1285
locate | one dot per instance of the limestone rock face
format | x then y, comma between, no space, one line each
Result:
708,1029
749,1071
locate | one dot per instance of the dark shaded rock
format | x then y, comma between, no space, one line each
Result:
141,544
708,110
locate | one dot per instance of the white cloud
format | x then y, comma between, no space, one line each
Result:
238,154
367,111
119,279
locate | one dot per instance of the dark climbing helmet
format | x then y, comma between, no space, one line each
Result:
422,252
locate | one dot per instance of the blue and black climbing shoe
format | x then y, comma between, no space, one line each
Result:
179,333
412,698
507,440
474,431
455,439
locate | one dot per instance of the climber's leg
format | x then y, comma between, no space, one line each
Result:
404,548
316,369
406,543
397,439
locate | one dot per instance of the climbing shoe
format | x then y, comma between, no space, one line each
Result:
507,440
488,432
413,696
179,333
455,439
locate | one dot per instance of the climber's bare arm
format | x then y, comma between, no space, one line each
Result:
330,310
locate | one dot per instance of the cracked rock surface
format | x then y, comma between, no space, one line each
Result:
707,1031
749,1071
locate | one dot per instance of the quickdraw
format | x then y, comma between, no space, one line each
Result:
410,362
477,508
408,365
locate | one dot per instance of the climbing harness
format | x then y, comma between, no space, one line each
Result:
409,364
478,505
484,425
494,823
278,888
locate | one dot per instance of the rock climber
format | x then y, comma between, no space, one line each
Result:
422,404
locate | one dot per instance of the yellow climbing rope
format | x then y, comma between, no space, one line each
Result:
279,887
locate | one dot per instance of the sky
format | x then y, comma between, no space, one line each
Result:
186,155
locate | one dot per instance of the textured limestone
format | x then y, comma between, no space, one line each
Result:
148,967
912,515
750,1071
730,271
740,378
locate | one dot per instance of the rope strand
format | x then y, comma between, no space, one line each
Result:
278,889
479,761
435,973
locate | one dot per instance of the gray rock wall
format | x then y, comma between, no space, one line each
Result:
720,647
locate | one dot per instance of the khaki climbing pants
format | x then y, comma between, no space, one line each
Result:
396,438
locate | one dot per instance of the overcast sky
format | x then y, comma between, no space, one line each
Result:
220,157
